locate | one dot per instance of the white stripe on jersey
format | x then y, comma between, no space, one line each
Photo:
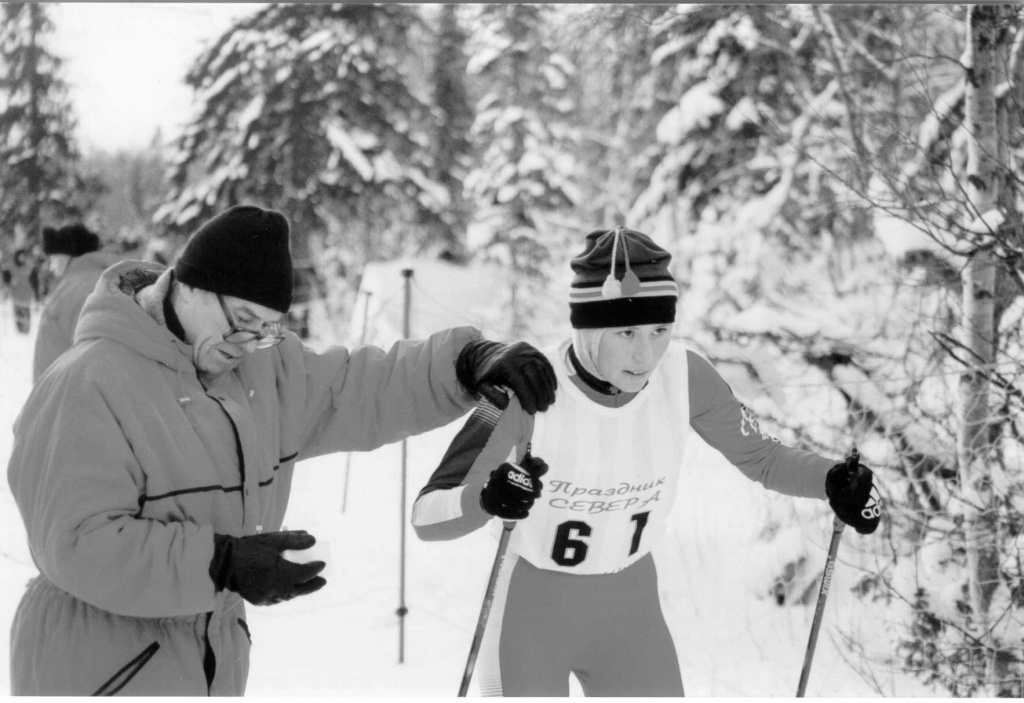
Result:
613,472
431,512
488,412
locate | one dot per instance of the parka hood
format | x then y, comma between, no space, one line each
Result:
94,260
112,312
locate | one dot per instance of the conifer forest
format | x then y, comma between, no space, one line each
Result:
840,187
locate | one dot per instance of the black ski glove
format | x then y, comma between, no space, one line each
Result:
853,496
511,488
483,366
253,567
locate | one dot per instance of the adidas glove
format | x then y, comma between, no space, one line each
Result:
484,366
253,567
511,489
852,494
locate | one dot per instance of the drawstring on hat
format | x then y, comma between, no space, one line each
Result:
630,284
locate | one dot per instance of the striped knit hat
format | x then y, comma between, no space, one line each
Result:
621,279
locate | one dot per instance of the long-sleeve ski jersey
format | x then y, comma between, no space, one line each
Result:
613,472
124,465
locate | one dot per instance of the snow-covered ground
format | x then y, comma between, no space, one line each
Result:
345,640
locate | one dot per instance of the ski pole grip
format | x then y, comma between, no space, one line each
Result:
488,389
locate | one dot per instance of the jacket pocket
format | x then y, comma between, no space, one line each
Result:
127,672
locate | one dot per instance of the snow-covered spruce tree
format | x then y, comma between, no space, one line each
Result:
621,100
39,183
524,146
135,186
309,109
740,185
742,188
450,143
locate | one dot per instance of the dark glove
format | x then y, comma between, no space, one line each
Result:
483,366
853,496
511,488
253,567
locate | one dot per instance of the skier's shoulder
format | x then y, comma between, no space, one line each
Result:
677,361
698,365
702,379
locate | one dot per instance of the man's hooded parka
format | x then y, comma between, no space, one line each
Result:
125,464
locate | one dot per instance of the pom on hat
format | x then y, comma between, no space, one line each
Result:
242,252
73,240
611,288
646,293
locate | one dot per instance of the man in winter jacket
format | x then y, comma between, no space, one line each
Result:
76,262
152,461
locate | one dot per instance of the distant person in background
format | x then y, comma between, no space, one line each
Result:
40,278
75,263
5,275
579,589
153,461
22,272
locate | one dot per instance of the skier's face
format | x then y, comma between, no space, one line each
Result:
627,356
212,353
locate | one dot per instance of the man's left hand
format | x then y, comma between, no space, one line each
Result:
484,367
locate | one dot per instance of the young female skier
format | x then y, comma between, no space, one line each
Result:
578,591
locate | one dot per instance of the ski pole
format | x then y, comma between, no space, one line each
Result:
348,459
819,611
499,558
485,608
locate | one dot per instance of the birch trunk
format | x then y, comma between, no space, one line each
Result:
974,445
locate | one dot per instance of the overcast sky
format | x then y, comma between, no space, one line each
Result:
125,64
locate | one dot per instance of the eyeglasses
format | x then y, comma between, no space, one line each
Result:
268,336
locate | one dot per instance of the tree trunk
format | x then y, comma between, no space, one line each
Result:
974,446
36,130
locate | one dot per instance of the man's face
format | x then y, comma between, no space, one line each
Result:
223,317
627,356
57,263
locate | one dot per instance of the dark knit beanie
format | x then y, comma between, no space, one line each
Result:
49,240
242,252
621,279
73,240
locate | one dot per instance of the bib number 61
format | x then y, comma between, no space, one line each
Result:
570,550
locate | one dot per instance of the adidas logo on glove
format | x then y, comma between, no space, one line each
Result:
520,477
873,509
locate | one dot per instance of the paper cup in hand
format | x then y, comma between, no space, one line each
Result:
321,551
